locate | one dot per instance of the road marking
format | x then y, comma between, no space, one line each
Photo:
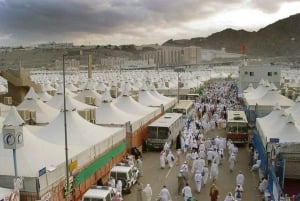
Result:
170,169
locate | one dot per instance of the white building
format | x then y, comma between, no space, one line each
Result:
255,73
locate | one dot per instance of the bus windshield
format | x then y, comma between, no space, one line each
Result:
163,133
237,122
237,128
152,132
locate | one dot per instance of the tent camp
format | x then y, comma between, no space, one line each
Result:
86,143
32,108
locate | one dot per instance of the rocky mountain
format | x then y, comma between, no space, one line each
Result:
281,38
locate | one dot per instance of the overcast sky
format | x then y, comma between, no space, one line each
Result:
102,22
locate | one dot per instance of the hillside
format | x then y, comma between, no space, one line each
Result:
281,38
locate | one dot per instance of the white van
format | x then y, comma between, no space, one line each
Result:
99,193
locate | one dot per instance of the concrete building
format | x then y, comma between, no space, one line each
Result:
255,73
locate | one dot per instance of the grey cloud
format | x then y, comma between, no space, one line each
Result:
47,20
269,6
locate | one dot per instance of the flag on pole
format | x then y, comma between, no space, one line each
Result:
244,48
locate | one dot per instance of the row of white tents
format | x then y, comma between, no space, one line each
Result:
277,135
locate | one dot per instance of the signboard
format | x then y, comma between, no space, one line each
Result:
73,165
274,140
42,171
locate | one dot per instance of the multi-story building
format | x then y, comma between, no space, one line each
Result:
255,73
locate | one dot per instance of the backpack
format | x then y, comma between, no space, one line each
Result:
202,173
238,194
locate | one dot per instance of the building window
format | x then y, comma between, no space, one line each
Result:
275,73
269,74
251,73
246,72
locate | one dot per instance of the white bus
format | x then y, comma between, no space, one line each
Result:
185,107
237,127
164,129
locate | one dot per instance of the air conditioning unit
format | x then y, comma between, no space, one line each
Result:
93,115
89,100
7,100
85,114
25,114
32,117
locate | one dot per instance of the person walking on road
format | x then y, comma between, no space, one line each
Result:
162,159
214,171
139,193
213,193
164,194
240,179
229,197
148,192
198,179
119,187
117,197
181,182
140,166
205,176
171,159
238,192
231,162
187,192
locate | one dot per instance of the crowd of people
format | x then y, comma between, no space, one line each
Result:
199,155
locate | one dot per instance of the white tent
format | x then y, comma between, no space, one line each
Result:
44,113
86,94
258,92
80,131
147,99
44,95
168,102
294,109
266,102
57,101
250,88
127,104
108,114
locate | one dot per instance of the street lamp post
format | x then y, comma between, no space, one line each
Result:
178,70
67,190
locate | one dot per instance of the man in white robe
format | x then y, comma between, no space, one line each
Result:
198,179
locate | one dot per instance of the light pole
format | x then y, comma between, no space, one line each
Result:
67,190
178,70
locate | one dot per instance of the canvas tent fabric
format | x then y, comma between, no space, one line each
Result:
267,101
35,147
279,125
258,92
58,102
145,98
13,118
44,112
129,105
89,93
80,131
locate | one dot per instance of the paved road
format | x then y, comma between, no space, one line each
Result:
157,177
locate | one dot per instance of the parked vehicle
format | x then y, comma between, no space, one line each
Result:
128,174
99,193
164,129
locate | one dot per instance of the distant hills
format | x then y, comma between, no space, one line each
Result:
281,38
